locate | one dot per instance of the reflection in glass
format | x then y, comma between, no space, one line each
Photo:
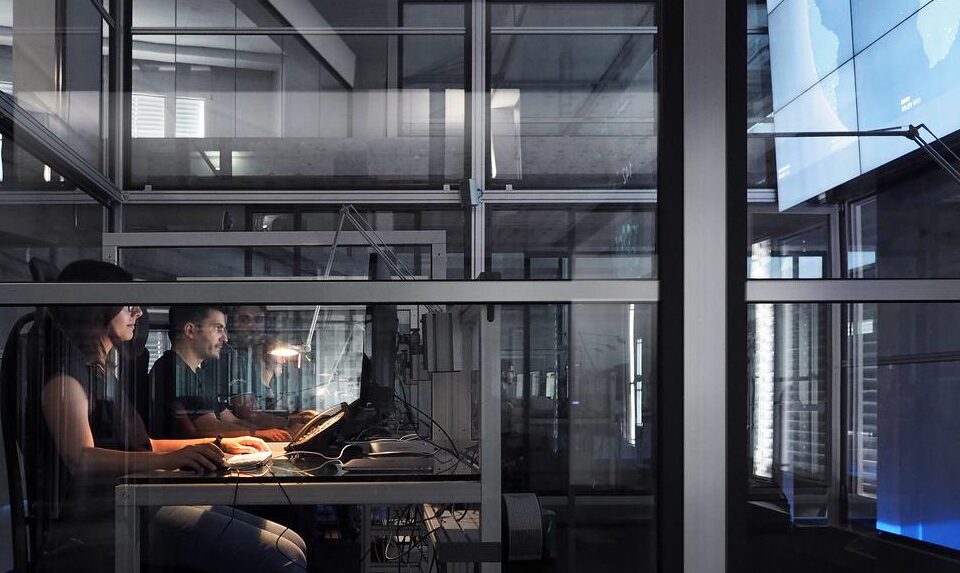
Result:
572,242
294,13
789,246
577,397
47,235
789,362
55,68
896,431
302,110
429,244
573,111
578,392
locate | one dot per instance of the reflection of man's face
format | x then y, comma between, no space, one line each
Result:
247,325
211,335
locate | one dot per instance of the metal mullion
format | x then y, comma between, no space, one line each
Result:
311,292
478,133
296,196
46,198
667,442
853,290
266,239
576,30
104,14
707,278
291,31
554,196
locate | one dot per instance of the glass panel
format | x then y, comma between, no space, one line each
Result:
571,14
867,444
6,46
350,263
790,246
577,398
789,391
895,204
572,242
428,243
152,218
578,393
295,13
46,237
573,111
761,159
58,76
297,111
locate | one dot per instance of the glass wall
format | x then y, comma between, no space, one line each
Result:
577,393
54,64
273,144
572,105
365,96
889,380
847,439
408,242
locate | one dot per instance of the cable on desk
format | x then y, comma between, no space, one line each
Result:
429,417
233,509
414,545
286,528
324,456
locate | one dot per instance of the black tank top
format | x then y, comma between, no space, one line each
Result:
83,513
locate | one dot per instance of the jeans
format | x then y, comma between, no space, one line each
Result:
218,538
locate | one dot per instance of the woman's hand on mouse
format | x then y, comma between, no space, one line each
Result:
198,457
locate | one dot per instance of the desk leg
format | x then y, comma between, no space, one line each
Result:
127,538
365,539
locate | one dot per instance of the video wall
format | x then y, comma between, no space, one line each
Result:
857,65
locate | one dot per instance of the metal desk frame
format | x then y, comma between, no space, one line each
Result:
131,497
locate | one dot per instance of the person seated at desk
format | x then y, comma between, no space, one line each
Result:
185,403
92,429
255,376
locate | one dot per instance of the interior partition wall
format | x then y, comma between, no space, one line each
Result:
838,408
534,146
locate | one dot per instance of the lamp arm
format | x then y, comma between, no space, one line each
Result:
308,343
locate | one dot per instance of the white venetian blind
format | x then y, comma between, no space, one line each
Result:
147,115
190,117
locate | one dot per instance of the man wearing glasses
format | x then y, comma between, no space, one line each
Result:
183,402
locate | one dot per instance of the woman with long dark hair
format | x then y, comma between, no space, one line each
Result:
99,436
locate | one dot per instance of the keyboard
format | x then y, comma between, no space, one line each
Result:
256,459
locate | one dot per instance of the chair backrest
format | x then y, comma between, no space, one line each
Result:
134,366
43,270
11,370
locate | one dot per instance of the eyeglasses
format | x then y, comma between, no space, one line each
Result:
133,310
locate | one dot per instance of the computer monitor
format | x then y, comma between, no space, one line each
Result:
378,371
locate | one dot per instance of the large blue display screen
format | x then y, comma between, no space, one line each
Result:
905,70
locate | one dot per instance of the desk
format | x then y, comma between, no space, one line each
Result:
186,488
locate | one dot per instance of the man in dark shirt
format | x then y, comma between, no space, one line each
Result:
255,375
184,404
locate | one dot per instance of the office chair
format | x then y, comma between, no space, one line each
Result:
42,270
10,422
